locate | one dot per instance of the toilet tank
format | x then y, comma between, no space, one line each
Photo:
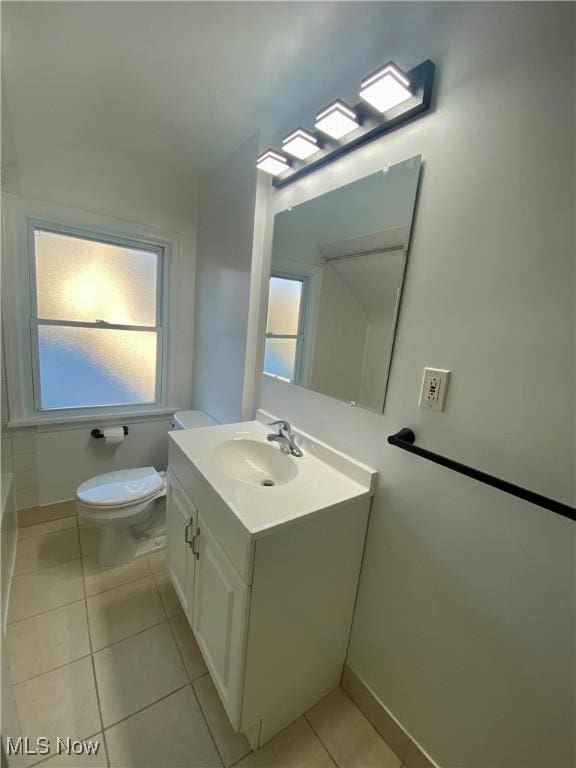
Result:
191,419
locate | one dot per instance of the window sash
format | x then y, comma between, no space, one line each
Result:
299,336
35,321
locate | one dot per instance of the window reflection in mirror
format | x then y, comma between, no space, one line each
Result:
338,264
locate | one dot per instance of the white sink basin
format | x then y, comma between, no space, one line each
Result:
254,462
237,461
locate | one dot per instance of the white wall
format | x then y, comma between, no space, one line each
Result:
464,626
49,464
340,337
225,238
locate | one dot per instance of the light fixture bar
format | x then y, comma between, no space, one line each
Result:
336,120
389,98
300,144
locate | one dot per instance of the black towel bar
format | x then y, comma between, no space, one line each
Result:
405,439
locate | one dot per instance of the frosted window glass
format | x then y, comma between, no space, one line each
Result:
280,357
82,367
284,306
85,280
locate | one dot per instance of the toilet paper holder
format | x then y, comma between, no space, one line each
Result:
97,434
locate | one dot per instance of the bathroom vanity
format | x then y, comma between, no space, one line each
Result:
264,551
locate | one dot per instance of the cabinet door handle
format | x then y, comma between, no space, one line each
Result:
187,540
196,552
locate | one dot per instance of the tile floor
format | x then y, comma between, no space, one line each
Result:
106,654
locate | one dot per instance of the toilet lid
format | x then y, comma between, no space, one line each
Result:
118,488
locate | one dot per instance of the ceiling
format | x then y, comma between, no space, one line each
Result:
183,83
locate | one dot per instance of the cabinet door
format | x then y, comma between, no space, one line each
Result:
220,618
181,521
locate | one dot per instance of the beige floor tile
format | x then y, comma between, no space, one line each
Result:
295,747
191,654
231,745
47,641
99,578
137,672
347,735
123,611
43,514
157,561
60,703
31,531
46,551
71,760
168,594
171,733
43,590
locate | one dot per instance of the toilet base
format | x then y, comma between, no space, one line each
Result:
119,544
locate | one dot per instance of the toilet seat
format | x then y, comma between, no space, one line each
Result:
124,488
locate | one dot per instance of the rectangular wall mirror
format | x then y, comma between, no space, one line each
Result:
338,264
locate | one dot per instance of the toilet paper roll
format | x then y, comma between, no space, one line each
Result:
113,435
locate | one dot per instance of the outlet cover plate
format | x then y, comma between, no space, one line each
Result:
434,389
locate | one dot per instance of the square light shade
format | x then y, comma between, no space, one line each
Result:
272,162
300,144
386,88
336,120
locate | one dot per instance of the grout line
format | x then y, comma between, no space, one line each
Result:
207,723
128,637
52,669
29,525
315,732
147,706
106,755
43,613
191,683
61,533
48,533
94,672
54,565
118,586
109,589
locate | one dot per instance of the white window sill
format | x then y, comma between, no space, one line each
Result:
277,378
52,419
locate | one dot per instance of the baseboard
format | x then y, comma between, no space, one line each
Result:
402,743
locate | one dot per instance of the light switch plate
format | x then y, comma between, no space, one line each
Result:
434,388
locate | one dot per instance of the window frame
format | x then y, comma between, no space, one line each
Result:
35,225
300,335
21,216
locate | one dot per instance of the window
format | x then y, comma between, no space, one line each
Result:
97,321
284,329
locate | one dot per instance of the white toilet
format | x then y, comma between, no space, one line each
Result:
129,506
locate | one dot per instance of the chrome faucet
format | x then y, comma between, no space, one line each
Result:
285,438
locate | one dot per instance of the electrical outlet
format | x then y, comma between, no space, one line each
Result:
434,388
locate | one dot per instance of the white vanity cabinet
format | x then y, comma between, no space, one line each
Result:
270,609
181,522
219,617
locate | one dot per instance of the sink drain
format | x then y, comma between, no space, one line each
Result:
267,483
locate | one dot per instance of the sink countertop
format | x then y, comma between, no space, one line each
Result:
326,477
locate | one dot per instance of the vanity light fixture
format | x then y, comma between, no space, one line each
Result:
336,120
385,88
389,98
272,162
300,144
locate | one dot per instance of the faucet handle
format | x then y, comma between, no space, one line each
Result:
281,423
